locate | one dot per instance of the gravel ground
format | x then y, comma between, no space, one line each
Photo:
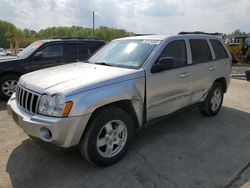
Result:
187,150
240,68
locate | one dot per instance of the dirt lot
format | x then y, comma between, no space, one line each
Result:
240,68
184,151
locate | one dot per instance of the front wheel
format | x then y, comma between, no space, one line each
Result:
213,102
107,137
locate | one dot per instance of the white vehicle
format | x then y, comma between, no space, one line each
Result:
2,52
98,105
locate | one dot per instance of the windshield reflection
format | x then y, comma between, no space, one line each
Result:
30,49
124,53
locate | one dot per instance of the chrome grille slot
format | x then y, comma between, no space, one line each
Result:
27,99
34,107
17,92
24,99
20,95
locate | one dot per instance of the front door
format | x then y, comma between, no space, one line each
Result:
169,90
49,56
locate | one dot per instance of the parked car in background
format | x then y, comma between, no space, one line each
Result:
8,51
98,105
43,54
2,52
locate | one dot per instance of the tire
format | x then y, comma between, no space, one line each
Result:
213,102
108,127
234,61
8,85
248,58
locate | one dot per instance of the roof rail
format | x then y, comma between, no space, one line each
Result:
88,38
199,33
143,34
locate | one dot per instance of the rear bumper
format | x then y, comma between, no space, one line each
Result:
62,132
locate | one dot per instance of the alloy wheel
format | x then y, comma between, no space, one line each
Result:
112,138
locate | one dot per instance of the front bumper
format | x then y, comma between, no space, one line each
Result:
62,132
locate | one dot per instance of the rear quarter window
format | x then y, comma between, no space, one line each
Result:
84,50
200,51
93,46
219,50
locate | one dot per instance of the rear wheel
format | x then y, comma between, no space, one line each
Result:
213,102
248,58
8,85
107,137
234,61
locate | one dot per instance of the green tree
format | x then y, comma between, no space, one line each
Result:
25,36
7,31
237,32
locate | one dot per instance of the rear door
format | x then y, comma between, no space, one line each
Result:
202,68
169,90
71,52
222,63
84,50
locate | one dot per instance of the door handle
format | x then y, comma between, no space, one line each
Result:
211,68
185,74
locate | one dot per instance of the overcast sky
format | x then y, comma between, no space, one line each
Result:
139,16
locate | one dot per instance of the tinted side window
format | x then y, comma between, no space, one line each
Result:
94,46
55,50
97,46
71,51
84,51
219,50
177,51
200,51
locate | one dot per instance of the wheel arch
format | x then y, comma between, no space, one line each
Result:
126,105
11,73
223,82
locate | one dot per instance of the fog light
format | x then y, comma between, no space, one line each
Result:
46,134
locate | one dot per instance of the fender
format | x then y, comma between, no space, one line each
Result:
133,90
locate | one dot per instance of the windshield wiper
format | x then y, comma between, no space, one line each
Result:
102,63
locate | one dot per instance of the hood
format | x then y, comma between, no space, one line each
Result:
76,77
8,58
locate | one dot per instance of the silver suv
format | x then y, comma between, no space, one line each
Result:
99,104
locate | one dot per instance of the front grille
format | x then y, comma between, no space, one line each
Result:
27,99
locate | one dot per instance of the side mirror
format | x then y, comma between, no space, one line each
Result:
164,63
38,55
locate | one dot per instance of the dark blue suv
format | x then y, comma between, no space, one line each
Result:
43,54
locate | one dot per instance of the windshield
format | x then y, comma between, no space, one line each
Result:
124,53
30,49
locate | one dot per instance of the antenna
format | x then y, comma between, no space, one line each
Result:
93,24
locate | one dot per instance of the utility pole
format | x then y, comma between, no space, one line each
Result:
93,24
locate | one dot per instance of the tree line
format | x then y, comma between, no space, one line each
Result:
26,36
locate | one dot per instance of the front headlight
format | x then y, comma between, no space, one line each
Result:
54,105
